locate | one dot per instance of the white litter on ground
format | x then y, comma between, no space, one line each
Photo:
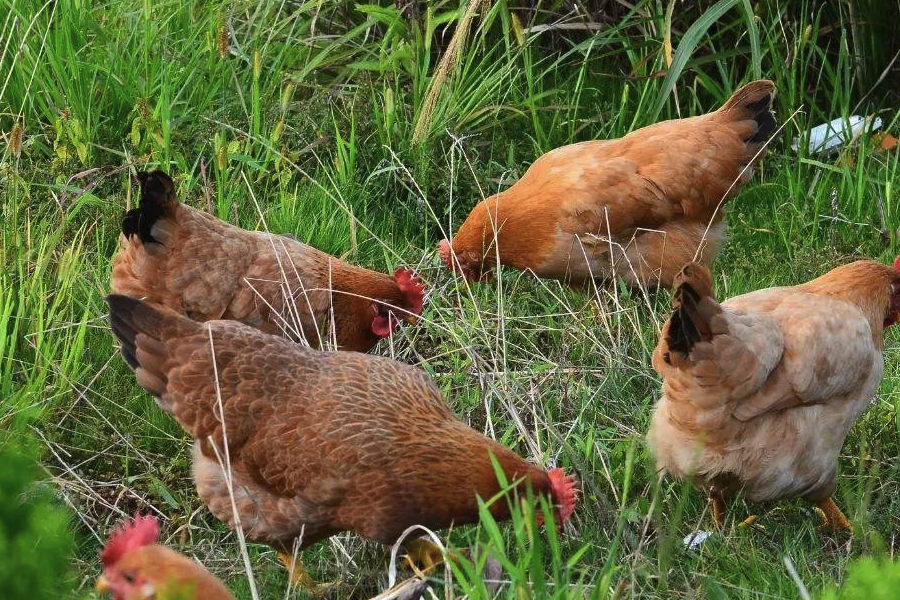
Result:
828,136
693,540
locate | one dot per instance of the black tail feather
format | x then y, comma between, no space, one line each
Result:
754,101
683,331
761,110
157,200
689,323
120,311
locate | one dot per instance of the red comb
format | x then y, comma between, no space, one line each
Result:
564,489
142,531
445,254
897,263
413,289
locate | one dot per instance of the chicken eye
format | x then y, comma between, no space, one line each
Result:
128,577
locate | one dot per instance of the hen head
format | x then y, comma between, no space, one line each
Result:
412,289
121,576
465,263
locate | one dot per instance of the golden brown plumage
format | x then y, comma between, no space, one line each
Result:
319,442
189,261
637,207
760,391
135,567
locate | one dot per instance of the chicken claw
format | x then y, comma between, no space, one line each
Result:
832,517
423,554
301,578
750,520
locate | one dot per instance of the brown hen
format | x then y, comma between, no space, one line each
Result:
318,442
639,207
189,261
760,391
135,567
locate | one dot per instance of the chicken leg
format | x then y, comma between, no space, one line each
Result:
832,517
717,507
423,554
300,577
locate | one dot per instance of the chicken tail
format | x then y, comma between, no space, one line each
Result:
693,305
143,330
754,102
158,201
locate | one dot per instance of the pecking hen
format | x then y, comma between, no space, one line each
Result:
187,260
135,567
318,442
639,207
760,391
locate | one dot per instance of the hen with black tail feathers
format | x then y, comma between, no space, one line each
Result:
187,260
760,391
638,207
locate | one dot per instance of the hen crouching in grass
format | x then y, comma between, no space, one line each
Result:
135,567
760,391
319,442
190,261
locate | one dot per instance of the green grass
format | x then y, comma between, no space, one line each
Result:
369,133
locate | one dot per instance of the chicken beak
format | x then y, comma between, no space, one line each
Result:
411,319
102,586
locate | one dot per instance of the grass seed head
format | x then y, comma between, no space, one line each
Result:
15,139
222,37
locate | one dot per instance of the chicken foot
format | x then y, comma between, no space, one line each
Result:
300,577
750,520
832,517
423,554
718,509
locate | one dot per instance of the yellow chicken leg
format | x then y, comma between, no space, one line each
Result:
717,507
423,554
832,517
300,577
